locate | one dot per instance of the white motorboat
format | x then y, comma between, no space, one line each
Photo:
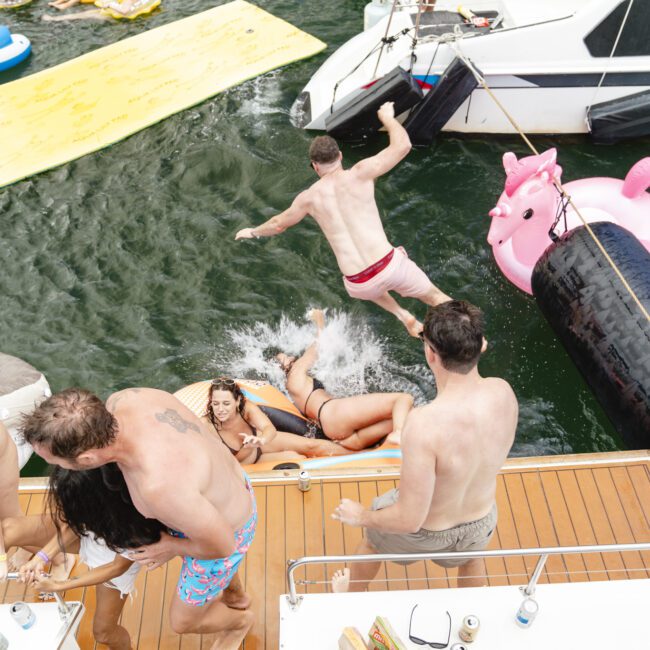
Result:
557,66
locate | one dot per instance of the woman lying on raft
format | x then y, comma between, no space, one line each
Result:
250,434
354,422
90,513
108,9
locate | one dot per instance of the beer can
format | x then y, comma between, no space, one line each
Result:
458,646
4,644
469,628
23,615
527,612
304,481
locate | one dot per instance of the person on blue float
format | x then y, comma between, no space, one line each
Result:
177,472
250,435
452,451
89,513
343,204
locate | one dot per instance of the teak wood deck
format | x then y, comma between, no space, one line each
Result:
552,501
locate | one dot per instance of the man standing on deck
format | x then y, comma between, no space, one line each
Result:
452,450
178,473
343,204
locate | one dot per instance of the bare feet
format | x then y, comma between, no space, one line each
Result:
413,326
61,568
20,557
317,316
286,361
341,581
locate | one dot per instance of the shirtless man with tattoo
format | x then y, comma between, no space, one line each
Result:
176,472
343,204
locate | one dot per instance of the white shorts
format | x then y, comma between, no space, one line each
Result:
94,552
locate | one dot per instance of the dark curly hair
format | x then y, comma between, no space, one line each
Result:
324,150
98,501
69,423
231,386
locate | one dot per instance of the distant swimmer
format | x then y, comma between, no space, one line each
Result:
452,451
354,422
177,472
343,204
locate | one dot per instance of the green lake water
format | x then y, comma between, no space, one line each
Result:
120,269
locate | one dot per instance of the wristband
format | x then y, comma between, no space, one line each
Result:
43,555
3,557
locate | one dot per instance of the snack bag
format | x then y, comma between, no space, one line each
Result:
351,639
383,637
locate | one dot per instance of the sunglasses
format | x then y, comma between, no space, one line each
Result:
223,381
431,644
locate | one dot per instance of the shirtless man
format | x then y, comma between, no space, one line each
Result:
178,473
343,204
452,450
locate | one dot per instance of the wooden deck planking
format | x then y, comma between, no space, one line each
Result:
543,506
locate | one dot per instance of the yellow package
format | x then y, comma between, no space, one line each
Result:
351,639
383,637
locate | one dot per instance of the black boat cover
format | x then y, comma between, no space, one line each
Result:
618,119
357,119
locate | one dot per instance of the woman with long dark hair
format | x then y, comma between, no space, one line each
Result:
90,513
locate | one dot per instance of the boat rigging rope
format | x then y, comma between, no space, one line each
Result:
479,78
383,40
611,55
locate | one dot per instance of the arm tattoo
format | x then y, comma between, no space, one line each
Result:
173,419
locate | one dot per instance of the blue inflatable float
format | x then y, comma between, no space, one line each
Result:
13,48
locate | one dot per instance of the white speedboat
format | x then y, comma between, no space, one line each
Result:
557,66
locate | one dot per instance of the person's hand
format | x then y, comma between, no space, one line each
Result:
43,582
249,440
32,569
154,555
245,233
386,112
348,512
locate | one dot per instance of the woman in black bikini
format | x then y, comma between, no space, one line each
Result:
248,432
354,422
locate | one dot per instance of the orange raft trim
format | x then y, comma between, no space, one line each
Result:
195,397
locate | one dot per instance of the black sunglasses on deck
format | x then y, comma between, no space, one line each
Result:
431,644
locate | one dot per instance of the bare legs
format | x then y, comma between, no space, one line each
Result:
106,627
357,577
230,625
472,574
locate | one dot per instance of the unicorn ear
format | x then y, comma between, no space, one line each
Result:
509,161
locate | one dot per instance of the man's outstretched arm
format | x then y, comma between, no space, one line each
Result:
295,213
398,147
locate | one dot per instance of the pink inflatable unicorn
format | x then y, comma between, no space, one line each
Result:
528,208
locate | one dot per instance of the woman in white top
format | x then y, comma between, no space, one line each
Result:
90,513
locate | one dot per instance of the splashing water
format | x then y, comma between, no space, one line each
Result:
352,358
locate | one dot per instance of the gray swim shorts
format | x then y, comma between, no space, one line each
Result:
472,536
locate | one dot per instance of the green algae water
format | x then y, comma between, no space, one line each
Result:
120,269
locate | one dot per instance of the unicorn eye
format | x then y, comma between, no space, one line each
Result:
528,213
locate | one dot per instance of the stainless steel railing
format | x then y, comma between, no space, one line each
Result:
64,609
529,589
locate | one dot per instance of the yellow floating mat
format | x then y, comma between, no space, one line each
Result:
86,104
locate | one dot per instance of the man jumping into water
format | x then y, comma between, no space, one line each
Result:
176,472
343,204
452,450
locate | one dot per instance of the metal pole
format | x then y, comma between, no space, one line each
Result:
529,590
62,606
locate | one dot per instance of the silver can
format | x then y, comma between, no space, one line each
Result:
23,615
4,644
304,481
527,612
469,629
458,646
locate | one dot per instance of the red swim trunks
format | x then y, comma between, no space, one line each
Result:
394,272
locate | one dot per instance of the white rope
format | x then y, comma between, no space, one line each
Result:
611,55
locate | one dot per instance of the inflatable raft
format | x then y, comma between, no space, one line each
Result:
14,48
286,417
22,389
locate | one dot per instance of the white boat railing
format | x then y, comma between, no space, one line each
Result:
63,607
529,589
